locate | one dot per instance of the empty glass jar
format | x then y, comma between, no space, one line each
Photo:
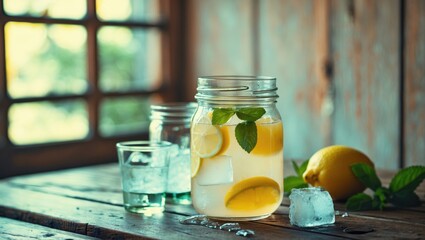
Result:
171,122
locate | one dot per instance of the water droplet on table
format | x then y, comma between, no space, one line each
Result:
230,227
203,220
211,224
195,220
245,233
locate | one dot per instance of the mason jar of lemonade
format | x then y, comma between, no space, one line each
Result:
236,148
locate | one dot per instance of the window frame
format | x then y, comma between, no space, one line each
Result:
16,160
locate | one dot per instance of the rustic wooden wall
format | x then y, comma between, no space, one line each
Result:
365,41
414,83
349,72
294,48
220,38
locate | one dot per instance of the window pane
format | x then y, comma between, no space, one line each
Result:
45,59
70,9
129,59
122,10
42,122
124,115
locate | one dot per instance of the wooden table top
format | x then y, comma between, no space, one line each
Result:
86,203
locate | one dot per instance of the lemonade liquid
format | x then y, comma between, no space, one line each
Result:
234,184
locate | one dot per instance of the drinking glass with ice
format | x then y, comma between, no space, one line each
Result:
144,171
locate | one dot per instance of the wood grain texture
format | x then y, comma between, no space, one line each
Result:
79,184
382,228
87,201
220,39
365,50
113,222
414,91
12,229
293,37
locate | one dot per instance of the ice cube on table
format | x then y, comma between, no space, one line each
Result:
216,170
311,207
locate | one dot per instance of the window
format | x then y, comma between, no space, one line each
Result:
78,76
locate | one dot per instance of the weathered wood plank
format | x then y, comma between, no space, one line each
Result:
385,229
68,183
377,220
13,229
293,46
220,39
365,44
107,221
414,79
80,183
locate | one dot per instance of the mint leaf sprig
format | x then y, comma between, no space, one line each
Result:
246,131
297,181
401,191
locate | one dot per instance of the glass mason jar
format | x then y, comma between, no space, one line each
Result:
236,148
171,122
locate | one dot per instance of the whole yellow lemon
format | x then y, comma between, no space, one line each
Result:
330,168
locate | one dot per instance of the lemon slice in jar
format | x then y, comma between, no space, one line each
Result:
253,193
195,164
270,137
206,139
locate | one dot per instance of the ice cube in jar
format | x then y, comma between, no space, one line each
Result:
311,207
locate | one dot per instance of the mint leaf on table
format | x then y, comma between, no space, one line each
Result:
299,170
367,175
403,185
291,182
296,168
400,192
381,197
408,179
405,199
250,114
302,168
382,194
359,202
222,115
246,135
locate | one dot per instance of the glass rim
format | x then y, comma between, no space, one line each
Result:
175,111
173,106
237,77
143,145
236,88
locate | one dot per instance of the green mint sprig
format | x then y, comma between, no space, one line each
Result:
295,181
246,131
401,192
